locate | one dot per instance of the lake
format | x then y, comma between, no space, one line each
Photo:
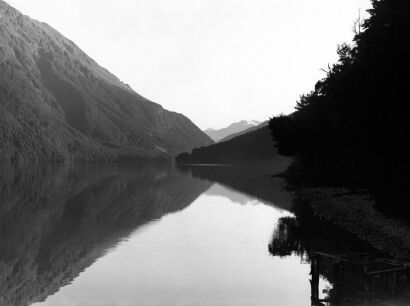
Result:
161,235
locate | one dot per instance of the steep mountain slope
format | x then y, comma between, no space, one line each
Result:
218,135
57,104
254,146
251,129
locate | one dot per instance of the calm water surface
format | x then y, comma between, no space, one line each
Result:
152,235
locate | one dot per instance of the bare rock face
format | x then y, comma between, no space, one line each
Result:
57,104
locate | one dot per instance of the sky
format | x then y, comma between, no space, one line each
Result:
215,61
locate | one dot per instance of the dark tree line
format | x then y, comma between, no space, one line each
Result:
254,146
353,129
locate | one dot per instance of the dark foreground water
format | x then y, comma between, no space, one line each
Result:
156,235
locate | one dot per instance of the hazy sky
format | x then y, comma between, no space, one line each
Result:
216,61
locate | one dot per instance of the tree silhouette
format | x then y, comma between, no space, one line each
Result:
353,128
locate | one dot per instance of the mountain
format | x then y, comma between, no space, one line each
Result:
57,104
254,146
218,135
253,128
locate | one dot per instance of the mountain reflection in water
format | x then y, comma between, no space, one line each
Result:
56,221
159,235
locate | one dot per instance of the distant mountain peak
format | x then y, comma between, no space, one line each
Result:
245,122
254,122
236,127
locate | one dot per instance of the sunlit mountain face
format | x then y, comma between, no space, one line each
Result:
58,104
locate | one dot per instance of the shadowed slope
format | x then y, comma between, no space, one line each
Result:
234,128
251,147
251,129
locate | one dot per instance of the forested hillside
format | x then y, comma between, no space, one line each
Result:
58,104
353,129
251,147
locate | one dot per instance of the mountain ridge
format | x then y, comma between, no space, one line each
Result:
236,127
253,128
58,104
252,147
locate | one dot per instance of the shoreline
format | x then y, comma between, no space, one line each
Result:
355,213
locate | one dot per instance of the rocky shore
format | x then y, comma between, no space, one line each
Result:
355,213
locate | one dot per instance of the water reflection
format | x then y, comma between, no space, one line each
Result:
156,235
251,181
56,221
358,274
210,253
